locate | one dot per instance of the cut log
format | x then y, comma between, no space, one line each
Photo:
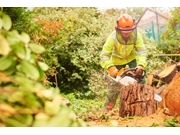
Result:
151,76
178,66
137,100
168,73
154,80
150,79
171,96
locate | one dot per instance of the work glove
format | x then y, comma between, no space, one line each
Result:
113,71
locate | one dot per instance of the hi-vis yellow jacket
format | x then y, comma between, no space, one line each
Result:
118,52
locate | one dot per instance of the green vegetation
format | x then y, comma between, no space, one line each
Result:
171,123
47,53
24,101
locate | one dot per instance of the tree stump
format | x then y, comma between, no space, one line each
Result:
171,96
137,100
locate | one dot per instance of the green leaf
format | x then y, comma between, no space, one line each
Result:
4,46
33,58
12,122
12,69
28,54
20,51
30,70
36,48
26,119
1,23
13,37
25,37
170,123
5,63
41,73
76,75
43,66
7,23
23,80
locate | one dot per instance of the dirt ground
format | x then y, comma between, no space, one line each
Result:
112,118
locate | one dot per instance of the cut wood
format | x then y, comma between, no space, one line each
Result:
178,66
150,79
137,100
153,79
168,73
171,96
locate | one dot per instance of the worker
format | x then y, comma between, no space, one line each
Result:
123,47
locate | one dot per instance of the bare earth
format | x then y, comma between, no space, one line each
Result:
112,118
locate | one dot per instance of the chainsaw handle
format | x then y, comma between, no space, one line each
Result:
131,69
143,72
127,70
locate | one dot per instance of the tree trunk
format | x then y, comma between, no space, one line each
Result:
137,100
171,96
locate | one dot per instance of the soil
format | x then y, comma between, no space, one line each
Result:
112,118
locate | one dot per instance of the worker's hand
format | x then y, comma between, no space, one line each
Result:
139,70
113,71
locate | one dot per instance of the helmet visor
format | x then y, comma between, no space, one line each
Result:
125,30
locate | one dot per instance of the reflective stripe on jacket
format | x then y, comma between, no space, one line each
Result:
118,52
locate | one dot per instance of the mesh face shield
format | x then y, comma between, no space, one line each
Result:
125,30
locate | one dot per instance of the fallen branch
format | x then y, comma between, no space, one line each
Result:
167,55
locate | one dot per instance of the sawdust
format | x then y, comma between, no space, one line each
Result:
105,119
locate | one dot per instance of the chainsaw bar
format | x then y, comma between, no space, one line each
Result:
157,97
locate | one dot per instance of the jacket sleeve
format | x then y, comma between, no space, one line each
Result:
106,52
141,58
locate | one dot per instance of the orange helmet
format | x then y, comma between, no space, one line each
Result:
125,24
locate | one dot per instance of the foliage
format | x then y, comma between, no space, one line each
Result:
24,102
135,12
154,125
21,19
73,50
169,43
83,106
73,38
171,123
151,50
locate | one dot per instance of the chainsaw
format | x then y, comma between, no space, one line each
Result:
129,76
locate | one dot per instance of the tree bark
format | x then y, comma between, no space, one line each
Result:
137,100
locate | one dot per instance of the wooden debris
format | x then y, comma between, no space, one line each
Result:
157,78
